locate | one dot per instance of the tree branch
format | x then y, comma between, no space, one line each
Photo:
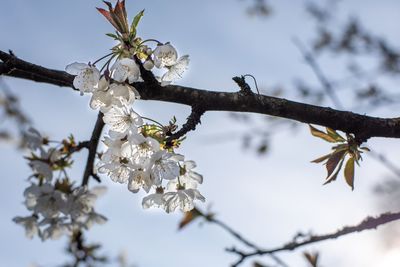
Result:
362,126
190,125
15,67
330,91
367,224
92,147
243,240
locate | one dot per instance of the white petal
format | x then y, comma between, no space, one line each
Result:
75,68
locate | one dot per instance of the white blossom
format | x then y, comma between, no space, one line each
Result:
164,166
31,195
94,218
125,68
56,227
175,71
33,138
119,170
87,77
123,93
189,178
50,203
153,200
182,199
43,169
80,203
45,200
122,119
43,165
140,178
140,149
30,224
101,97
165,55
61,212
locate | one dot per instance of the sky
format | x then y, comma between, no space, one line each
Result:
267,199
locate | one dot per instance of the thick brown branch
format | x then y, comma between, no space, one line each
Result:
15,67
361,125
366,224
92,147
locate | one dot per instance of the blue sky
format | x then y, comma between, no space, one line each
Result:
267,199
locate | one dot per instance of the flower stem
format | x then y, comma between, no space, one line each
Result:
102,58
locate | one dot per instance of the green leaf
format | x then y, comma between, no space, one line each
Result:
136,20
112,35
349,172
332,133
334,160
365,148
317,133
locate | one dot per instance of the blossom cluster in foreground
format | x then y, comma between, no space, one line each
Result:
137,153
57,206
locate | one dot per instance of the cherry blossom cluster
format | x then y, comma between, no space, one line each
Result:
57,206
138,154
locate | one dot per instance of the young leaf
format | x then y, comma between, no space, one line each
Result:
120,16
109,17
317,133
112,35
136,20
334,176
333,161
321,159
312,258
349,172
335,135
189,217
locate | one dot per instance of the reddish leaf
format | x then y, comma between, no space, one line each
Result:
334,176
120,13
334,160
109,5
109,17
321,159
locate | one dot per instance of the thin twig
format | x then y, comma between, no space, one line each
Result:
93,143
327,86
211,219
191,122
367,224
